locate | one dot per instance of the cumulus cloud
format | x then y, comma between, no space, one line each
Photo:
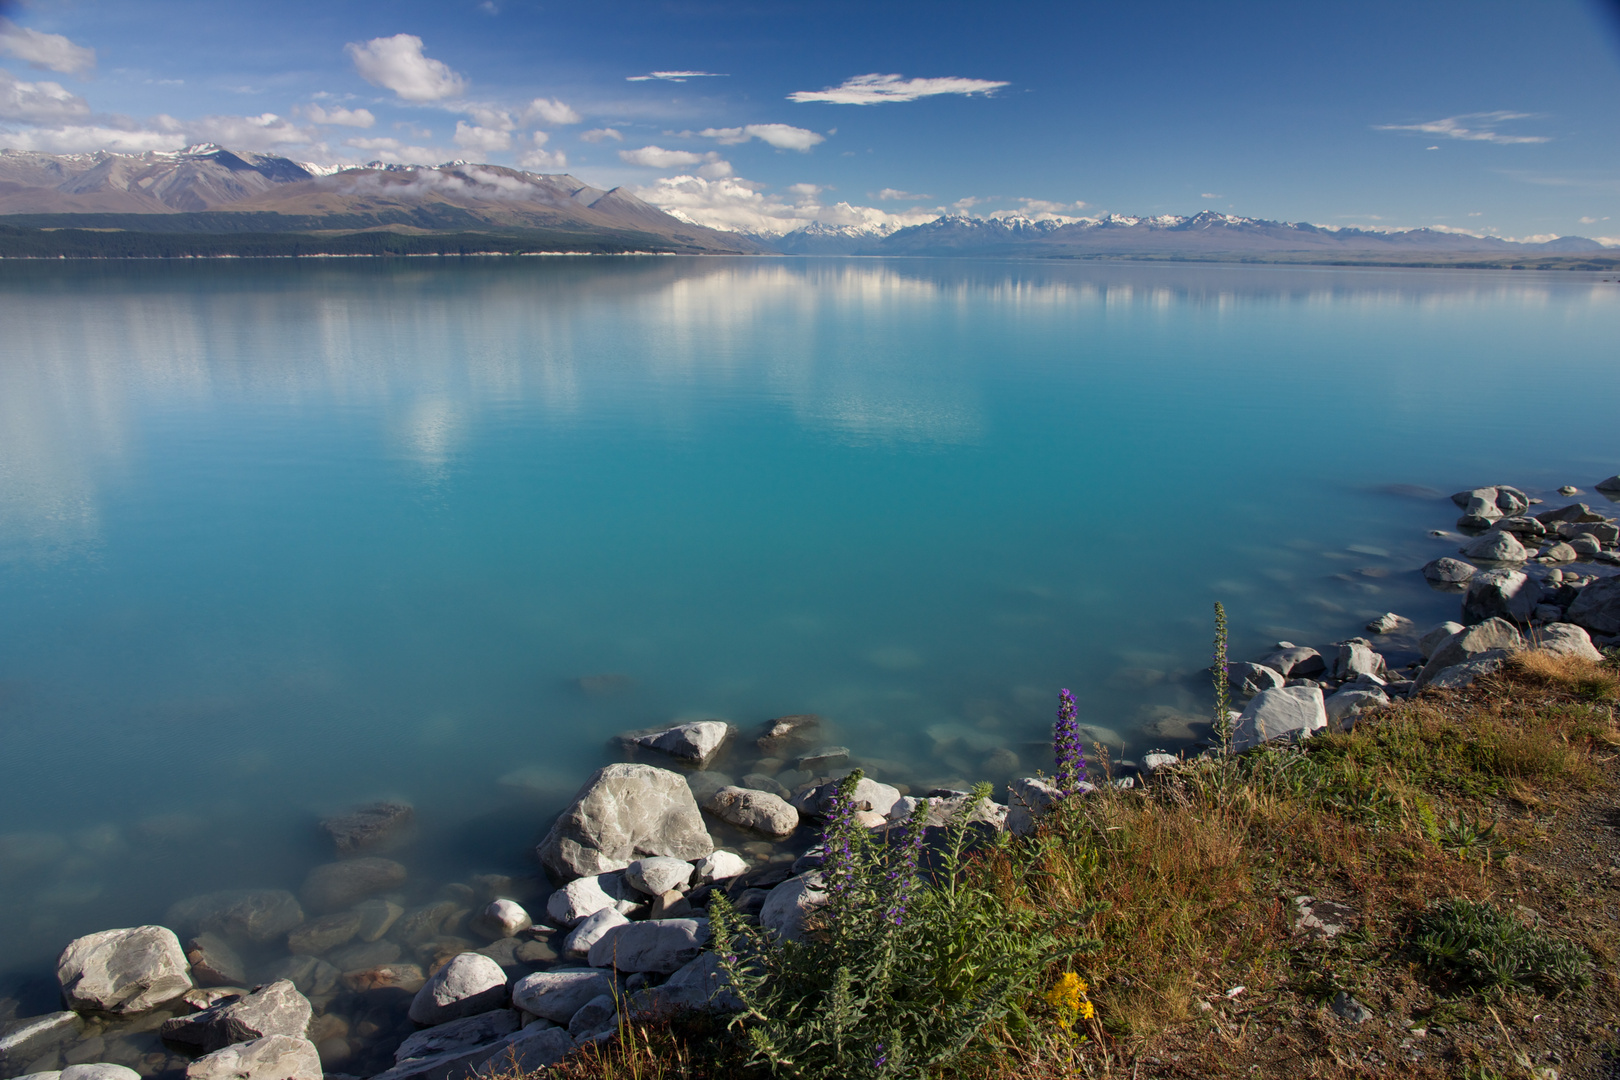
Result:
397,63
781,136
490,116
656,157
549,111
539,158
481,140
86,138
338,116
1043,210
38,102
744,206
48,52
120,134
877,89
596,135
1471,127
890,194
266,131
674,76
395,152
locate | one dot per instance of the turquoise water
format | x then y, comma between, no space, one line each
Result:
276,538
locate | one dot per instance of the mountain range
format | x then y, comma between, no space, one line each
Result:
1168,236
208,190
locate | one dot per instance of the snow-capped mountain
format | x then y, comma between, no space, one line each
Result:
282,195
1206,234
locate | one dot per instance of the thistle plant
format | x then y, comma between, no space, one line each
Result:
1066,747
899,968
1219,674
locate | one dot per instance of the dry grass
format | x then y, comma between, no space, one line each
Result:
1476,794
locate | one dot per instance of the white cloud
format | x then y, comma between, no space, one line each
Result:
742,205
397,63
543,159
781,136
877,89
395,152
1594,220
489,116
549,111
1209,195
596,135
656,157
51,52
38,102
264,132
675,76
1043,210
1608,241
86,138
339,116
121,134
890,194
716,170
481,140
1470,127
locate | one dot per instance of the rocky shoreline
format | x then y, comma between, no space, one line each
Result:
357,974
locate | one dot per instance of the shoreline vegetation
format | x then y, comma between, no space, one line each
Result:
1396,856
255,237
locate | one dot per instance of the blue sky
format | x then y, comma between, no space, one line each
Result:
1494,117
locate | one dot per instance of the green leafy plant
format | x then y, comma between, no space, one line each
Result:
898,970
1479,946
1469,840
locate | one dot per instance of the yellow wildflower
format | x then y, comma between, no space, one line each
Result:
1087,1010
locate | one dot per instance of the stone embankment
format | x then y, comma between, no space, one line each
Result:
263,984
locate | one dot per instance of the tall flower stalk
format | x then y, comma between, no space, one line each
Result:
1066,748
1220,674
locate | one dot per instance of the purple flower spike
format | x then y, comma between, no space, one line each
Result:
1066,748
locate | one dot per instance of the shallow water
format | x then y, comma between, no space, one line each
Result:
278,538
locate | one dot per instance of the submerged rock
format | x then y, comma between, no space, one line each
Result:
213,961
378,827
31,1038
376,917
324,934
623,812
123,971
340,884
256,915
785,730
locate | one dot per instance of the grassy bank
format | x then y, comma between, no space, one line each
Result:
1461,852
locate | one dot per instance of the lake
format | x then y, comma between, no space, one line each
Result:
277,538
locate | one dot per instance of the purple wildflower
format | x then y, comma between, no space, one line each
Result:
903,878
1071,756
838,866
882,1057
